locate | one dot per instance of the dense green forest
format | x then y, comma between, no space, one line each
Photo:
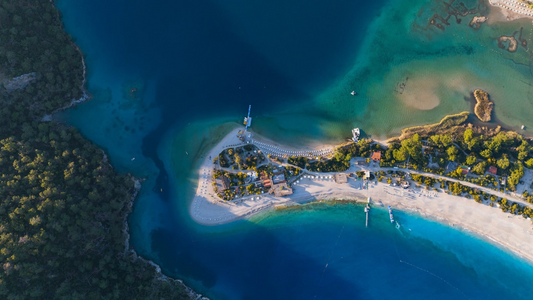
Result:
62,206
508,151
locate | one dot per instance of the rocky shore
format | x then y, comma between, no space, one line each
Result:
129,251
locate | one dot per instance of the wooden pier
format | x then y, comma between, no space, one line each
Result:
367,210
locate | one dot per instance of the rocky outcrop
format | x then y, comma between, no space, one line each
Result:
18,83
477,21
483,108
513,43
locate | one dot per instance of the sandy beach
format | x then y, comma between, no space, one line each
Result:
513,232
509,10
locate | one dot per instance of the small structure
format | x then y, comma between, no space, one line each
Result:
278,177
464,170
267,183
493,170
341,178
452,166
222,183
406,184
252,175
376,156
248,120
281,190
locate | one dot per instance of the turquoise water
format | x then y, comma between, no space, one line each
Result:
197,65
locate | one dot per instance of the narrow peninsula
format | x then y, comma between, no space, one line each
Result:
460,177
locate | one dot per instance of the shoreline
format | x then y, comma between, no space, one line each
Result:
509,231
487,238
509,10
137,185
128,250
85,96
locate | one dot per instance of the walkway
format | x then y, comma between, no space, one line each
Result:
465,183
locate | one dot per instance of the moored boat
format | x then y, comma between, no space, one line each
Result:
356,133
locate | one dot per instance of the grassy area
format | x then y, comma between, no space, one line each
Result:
484,106
446,123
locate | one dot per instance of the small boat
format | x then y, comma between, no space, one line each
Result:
523,127
133,159
187,153
390,214
356,133
353,93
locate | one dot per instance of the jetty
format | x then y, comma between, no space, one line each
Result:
367,210
248,119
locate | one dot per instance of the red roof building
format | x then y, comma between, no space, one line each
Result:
267,183
376,156
492,170
464,170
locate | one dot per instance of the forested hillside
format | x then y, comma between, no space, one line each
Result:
62,206
33,41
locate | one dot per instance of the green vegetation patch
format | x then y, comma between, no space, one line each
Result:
483,108
62,206
446,123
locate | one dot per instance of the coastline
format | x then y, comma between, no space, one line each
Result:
127,250
510,231
137,186
85,96
505,12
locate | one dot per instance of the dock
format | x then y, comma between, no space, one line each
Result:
248,119
367,210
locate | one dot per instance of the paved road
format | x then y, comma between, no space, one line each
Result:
373,167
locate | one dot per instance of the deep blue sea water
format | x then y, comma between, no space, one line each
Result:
198,64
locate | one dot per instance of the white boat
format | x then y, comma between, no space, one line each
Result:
356,133
353,93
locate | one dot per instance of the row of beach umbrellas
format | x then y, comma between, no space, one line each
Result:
278,150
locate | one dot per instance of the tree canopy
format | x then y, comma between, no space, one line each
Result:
62,206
